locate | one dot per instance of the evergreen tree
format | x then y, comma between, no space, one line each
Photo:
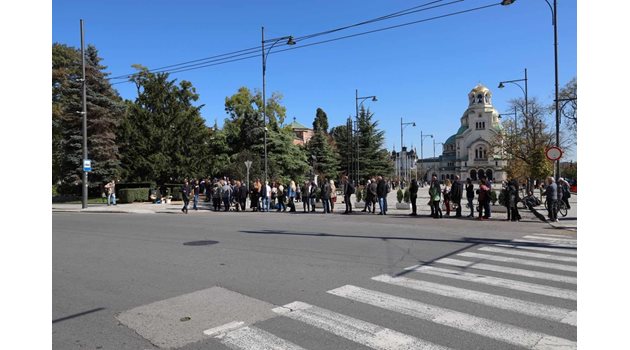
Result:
105,111
321,121
320,146
165,137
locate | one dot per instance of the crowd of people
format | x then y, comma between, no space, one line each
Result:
444,197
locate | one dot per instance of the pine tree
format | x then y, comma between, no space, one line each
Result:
105,111
320,146
373,157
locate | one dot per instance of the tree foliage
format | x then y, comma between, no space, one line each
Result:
105,111
164,136
323,155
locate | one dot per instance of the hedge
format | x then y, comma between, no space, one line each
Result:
129,195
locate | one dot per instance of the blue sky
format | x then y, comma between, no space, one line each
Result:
422,72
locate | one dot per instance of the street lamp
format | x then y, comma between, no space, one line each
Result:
357,104
402,144
273,42
421,154
515,82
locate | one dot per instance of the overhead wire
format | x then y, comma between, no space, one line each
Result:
254,52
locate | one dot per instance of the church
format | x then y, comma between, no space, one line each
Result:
469,152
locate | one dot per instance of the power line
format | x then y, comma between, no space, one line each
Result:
243,52
225,60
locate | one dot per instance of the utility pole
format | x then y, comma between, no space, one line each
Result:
84,114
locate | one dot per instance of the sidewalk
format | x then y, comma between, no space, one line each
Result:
498,211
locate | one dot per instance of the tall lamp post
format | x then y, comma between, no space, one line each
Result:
515,82
357,104
402,144
422,136
273,42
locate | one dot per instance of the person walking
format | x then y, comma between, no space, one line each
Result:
551,193
333,195
413,195
348,190
566,191
381,193
185,196
435,192
368,197
457,189
470,196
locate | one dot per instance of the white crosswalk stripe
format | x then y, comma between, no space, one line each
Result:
554,236
498,282
528,254
356,330
567,247
525,307
539,249
552,239
508,270
252,338
473,324
519,261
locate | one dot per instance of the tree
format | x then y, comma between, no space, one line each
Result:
245,131
525,142
105,110
320,146
165,138
568,104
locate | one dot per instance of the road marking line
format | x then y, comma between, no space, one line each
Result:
554,240
223,328
353,329
504,259
555,236
525,307
252,338
540,249
548,244
473,324
508,270
498,282
529,254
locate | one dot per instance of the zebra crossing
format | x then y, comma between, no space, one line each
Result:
540,266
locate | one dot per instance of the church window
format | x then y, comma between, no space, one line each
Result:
479,98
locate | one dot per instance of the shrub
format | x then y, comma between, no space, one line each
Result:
493,197
130,195
359,194
399,195
407,197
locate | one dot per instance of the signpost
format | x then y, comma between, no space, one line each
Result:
87,165
553,153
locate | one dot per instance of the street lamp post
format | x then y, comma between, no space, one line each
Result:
357,104
273,42
515,82
402,144
422,155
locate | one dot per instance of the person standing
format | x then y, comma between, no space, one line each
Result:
413,195
226,191
566,191
470,196
266,196
333,195
551,192
513,199
372,190
457,190
325,194
435,192
368,197
306,199
281,195
348,190
313,195
110,187
484,200
242,196
185,196
195,194
293,190
447,196
381,193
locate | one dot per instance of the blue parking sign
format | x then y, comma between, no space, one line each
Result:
87,165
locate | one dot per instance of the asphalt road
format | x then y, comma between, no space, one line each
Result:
124,281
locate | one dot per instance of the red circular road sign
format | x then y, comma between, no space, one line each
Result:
553,153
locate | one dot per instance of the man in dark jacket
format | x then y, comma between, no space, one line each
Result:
381,192
242,196
325,194
457,190
413,195
185,195
348,190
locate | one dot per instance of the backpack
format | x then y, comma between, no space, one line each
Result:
350,189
